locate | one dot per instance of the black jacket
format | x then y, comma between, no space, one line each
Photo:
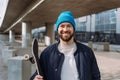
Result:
51,61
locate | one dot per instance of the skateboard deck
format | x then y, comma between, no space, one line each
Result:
36,56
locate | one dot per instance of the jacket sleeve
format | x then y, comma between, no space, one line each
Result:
95,69
33,76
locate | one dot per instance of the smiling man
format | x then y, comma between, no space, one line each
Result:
67,59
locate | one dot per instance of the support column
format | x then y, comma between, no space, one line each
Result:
93,23
117,35
50,32
18,68
118,21
26,34
11,36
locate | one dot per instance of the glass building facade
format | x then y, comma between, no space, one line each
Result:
81,26
81,31
100,27
106,21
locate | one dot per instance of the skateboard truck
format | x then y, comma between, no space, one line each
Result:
31,59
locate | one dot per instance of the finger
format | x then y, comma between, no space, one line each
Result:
39,77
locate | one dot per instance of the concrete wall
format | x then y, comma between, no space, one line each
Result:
4,37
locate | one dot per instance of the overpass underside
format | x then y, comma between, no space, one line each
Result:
24,15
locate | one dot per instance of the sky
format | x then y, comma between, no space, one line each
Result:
3,6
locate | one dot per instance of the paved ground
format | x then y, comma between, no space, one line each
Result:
3,70
109,64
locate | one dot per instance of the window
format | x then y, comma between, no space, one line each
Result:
106,21
80,26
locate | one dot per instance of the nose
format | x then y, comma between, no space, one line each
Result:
65,28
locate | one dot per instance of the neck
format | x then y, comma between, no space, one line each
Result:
67,43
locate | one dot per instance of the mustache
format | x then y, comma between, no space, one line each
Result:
62,32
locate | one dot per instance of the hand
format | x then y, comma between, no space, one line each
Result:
38,77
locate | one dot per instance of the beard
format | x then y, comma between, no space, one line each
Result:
66,38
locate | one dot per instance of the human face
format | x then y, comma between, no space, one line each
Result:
65,31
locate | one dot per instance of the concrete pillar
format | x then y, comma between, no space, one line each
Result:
93,23
6,54
90,44
118,20
88,24
50,32
18,68
4,37
26,34
11,36
106,46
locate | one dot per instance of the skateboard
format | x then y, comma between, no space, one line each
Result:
35,57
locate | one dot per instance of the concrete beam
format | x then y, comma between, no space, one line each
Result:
25,13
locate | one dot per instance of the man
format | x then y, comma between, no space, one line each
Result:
67,59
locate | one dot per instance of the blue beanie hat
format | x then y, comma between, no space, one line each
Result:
65,16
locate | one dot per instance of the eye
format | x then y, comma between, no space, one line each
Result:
62,26
69,25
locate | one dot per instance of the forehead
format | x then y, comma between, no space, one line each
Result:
65,23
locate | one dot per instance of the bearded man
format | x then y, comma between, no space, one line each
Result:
67,59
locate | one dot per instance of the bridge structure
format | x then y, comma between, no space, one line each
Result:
24,15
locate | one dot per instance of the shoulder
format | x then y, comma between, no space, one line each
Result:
84,49
49,49
82,46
